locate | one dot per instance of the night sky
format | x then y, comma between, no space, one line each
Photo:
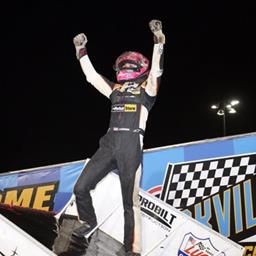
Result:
51,115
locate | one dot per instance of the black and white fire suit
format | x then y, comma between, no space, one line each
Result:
121,147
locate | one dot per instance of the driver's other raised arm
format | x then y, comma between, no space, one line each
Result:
102,84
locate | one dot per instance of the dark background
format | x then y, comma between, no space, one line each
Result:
51,115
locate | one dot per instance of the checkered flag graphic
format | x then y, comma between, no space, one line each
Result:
188,183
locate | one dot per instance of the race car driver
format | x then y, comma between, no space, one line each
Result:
132,97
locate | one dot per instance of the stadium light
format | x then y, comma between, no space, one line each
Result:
224,108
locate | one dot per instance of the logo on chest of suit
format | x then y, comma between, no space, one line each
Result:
132,90
124,108
130,87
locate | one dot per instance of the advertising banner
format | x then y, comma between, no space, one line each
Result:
212,181
46,188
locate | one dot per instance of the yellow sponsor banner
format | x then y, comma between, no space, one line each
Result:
40,197
130,107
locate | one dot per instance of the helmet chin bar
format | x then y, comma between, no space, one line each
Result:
138,79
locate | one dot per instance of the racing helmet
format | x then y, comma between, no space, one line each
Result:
130,66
